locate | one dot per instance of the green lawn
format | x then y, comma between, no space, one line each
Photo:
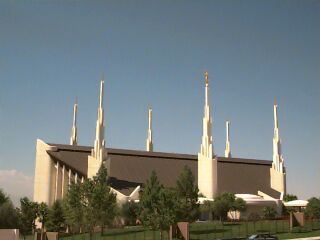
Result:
210,230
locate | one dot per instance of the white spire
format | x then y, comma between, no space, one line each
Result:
277,163
227,152
74,137
206,148
149,144
99,143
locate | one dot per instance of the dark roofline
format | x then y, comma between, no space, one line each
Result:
116,151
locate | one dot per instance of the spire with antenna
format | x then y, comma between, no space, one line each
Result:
149,144
99,143
74,134
206,148
277,162
227,152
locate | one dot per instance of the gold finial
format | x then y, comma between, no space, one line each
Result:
206,78
275,101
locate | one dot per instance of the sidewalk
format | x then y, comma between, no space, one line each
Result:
309,238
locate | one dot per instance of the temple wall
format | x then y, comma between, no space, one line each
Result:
244,178
43,173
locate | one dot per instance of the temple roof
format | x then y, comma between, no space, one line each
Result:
130,168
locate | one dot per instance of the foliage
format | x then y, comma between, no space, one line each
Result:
73,207
130,211
226,202
313,207
253,216
158,205
269,212
187,193
56,218
28,215
100,203
289,197
9,216
42,214
3,197
208,207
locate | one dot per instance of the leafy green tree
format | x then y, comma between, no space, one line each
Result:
130,211
223,204
289,197
269,212
42,215
313,207
9,216
208,207
238,205
56,220
187,192
158,205
99,202
3,197
73,207
28,215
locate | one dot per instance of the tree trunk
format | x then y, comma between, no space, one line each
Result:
102,227
160,234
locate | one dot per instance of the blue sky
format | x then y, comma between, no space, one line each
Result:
154,53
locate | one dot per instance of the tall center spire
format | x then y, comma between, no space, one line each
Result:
207,161
74,137
99,143
227,152
206,148
277,163
149,145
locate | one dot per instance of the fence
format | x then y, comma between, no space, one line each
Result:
204,231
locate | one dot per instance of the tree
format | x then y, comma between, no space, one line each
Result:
187,192
73,207
313,207
238,205
101,204
222,205
130,211
28,215
269,212
158,205
42,215
56,218
208,207
9,216
289,197
3,197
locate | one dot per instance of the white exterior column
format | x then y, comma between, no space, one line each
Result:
58,183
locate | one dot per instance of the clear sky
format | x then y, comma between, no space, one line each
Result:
154,53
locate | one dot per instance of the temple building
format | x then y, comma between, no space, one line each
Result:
259,182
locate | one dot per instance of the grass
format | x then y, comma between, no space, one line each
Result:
210,230
299,235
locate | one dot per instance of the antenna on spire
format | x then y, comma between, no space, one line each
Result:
206,78
149,144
